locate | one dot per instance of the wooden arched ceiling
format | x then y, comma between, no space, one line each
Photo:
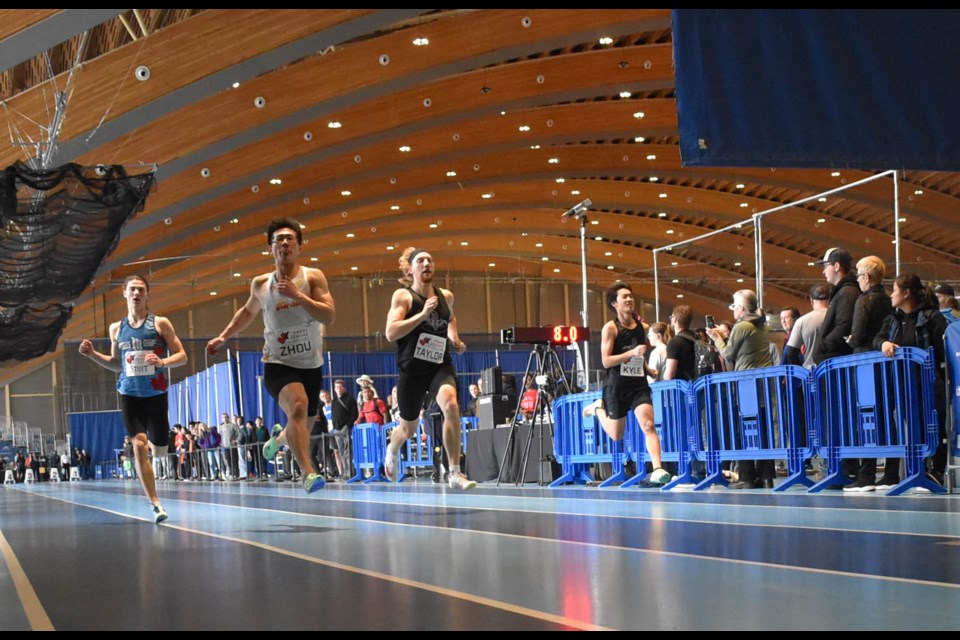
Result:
511,117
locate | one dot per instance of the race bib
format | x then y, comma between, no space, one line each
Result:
430,348
133,364
633,367
293,342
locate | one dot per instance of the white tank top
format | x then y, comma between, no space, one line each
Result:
291,336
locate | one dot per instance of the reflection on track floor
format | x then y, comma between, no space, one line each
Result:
420,556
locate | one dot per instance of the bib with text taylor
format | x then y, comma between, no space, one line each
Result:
430,348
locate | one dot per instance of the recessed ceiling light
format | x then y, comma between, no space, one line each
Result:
486,196
464,244
598,238
835,174
639,115
553,161
821,220
740,185
303,226
545,259
679,295
213,293
433,225
736,264
234,221
421,42
350,235
575,192
354,268
675,281
276,181
334,125
662,214
663,195
538,245
651,157
608,253
605,40
556,270
821,199
405,149
390,247
492,264
237,274
744,205
654,179
451,174
610,267
394,207
594,222
534,146
625,94
235,85
673,264
524,127
345,192
561,180
669,232
639,139
918,192
901,219
314,259
266,253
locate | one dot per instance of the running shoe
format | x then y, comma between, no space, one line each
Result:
591,409
271,446
660,476
159,514
313,482
391,462
460,481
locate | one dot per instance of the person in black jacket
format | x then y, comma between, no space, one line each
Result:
345,413
872,308
916,322
838,322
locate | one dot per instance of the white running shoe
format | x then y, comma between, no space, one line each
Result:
659,476
391,462
159,514
460,481
591,409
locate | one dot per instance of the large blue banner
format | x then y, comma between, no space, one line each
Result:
869,89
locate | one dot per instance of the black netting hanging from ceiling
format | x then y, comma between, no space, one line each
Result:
58,226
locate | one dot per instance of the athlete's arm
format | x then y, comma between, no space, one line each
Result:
397,326
453,332
177,356
242,318
319,304
112,361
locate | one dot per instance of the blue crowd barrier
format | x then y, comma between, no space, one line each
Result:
760,414
368,451
874,406
677,422
580,441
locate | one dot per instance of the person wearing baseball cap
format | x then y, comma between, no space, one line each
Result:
837,264
948,303
838,322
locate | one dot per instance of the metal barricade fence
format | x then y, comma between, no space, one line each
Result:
369,445
677,422
760,414
874,406
418,449
580,441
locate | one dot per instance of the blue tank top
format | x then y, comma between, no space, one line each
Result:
136,378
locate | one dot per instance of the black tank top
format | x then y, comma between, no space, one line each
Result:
414,349
626,339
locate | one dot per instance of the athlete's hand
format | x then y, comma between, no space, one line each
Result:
640,350
86,347
430,305
214,344
460,345
288,289
153,359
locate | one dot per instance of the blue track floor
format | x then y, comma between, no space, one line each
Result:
86,555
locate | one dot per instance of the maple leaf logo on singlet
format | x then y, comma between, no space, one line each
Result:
283,337
159,383
130,359
424,340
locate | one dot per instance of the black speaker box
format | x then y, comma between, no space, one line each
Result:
493,410
491,382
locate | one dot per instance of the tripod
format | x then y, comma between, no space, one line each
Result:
544,365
